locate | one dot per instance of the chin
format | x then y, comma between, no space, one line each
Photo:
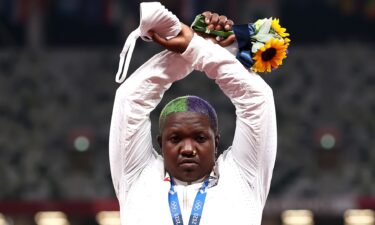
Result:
190,177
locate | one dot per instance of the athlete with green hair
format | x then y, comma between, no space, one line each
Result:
189,183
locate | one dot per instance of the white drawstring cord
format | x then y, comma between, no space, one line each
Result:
126,55
153,15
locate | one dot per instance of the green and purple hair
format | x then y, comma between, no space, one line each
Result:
189,103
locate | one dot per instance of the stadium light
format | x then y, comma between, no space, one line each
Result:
108,218
3,221
328,141
297,217
359,217
81,143
51,218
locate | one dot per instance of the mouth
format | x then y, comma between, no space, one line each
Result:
188,163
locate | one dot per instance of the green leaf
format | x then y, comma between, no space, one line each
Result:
221,33
199,22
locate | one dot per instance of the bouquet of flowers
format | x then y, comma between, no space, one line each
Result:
261,45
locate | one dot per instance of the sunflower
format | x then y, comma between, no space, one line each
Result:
270,56
278,29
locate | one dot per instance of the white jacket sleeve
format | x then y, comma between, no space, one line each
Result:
130,142
254,143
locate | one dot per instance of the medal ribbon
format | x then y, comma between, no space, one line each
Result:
197,209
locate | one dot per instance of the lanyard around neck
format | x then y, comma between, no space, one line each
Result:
197,209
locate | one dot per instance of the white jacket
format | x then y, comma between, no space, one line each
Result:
244,170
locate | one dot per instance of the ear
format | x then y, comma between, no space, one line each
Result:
217,139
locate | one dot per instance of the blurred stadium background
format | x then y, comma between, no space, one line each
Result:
58,60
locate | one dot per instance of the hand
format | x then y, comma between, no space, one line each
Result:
216,22
178,43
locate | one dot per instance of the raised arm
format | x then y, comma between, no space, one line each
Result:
130,142
254,144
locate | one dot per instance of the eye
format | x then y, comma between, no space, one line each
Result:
200,138
174,139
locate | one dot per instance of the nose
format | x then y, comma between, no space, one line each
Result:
187,148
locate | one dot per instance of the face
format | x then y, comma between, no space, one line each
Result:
188,145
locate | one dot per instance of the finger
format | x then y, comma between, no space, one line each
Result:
207,20
228,25
214,19
222,20
227,41
156,38
207,16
